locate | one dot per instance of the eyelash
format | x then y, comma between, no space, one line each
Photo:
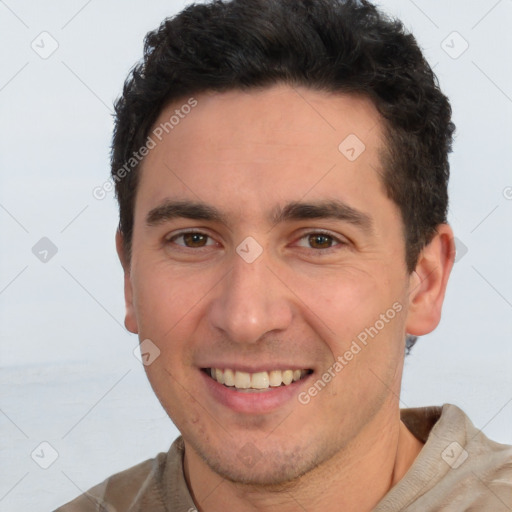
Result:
338,241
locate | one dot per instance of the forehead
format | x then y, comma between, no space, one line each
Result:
250,150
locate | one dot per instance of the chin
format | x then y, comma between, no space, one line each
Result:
264,476
250,467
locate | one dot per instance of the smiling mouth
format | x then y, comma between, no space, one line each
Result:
259,381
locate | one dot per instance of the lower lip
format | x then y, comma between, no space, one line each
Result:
254,402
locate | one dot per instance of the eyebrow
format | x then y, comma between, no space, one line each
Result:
169,210
293,211
330,209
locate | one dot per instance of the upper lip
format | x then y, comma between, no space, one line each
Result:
256,369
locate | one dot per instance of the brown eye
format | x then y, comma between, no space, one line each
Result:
320,241
195,239
192,240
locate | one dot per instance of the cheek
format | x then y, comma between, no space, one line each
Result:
167,309
177,395
163,299
347,302
360,318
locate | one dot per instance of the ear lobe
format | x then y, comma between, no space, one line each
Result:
130,320
428,282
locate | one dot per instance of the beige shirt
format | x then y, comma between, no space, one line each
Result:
458,469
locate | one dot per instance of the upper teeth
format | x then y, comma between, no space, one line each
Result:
258,380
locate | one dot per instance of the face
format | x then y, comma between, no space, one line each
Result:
264,246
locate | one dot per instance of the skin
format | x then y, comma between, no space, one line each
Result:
299,304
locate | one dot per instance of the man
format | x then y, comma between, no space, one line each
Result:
281,168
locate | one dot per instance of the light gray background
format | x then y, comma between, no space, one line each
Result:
68,373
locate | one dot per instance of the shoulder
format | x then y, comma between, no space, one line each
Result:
116,491
480,467
459,467
123,490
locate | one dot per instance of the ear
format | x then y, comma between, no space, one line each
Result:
428,281
130,320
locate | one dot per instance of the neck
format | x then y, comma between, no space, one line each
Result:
353,480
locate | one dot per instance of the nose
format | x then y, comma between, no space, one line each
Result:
250,302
